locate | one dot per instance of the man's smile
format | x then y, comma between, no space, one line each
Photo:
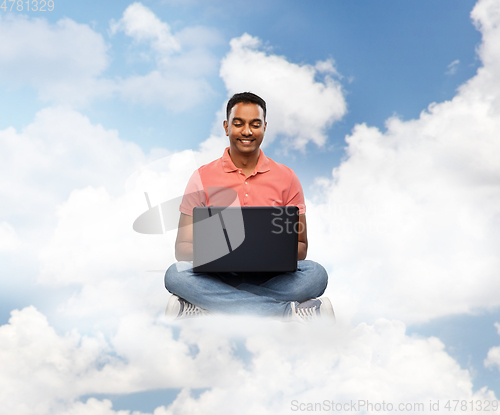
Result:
246,140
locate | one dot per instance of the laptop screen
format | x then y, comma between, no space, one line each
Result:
245,239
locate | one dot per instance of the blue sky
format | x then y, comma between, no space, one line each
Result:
398,98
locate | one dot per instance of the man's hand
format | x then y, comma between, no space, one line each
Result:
184,241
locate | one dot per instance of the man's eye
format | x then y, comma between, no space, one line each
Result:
255,125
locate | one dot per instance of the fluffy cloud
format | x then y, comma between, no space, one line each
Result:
141,24
453,67
410,221
493,358
38,365
183,61
62,61
294,366
58,152
40,166
300,108
44,372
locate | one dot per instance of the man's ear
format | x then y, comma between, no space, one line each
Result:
225,125
265,126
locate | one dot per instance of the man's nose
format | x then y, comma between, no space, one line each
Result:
247,130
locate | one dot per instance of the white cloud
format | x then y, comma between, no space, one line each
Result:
58,152
493,358
141,24
327,66
39,366
39,168
409,223
183,61
63,61
300,107
453,67
43,372
94,241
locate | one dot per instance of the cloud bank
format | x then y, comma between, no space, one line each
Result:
286,365
409,223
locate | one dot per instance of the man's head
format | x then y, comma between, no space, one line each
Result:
245,124
247,98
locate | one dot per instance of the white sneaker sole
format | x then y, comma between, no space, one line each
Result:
173,308
329,315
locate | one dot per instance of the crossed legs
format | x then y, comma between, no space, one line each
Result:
224,293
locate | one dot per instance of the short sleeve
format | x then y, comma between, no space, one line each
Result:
295,194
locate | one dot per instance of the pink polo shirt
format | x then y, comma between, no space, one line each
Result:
270,184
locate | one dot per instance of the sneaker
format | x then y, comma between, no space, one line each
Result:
178,308
314,310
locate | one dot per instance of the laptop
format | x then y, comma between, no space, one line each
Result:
245,239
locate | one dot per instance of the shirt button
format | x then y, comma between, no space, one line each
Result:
246,195
246,182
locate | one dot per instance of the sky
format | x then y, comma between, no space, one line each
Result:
389,113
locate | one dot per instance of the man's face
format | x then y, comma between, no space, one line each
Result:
245,128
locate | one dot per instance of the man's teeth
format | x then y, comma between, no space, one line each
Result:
246,141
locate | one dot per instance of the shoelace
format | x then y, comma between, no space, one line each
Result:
190,310
307,313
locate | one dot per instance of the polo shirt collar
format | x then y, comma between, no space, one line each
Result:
228,165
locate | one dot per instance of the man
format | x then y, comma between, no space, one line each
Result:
258,181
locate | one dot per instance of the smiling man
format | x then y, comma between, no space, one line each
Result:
258,181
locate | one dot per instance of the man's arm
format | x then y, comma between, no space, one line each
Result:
184,241
302,249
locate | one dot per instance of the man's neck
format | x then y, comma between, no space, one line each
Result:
246,162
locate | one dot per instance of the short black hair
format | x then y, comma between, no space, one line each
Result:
247,98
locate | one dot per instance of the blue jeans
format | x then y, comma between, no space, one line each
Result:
236,293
